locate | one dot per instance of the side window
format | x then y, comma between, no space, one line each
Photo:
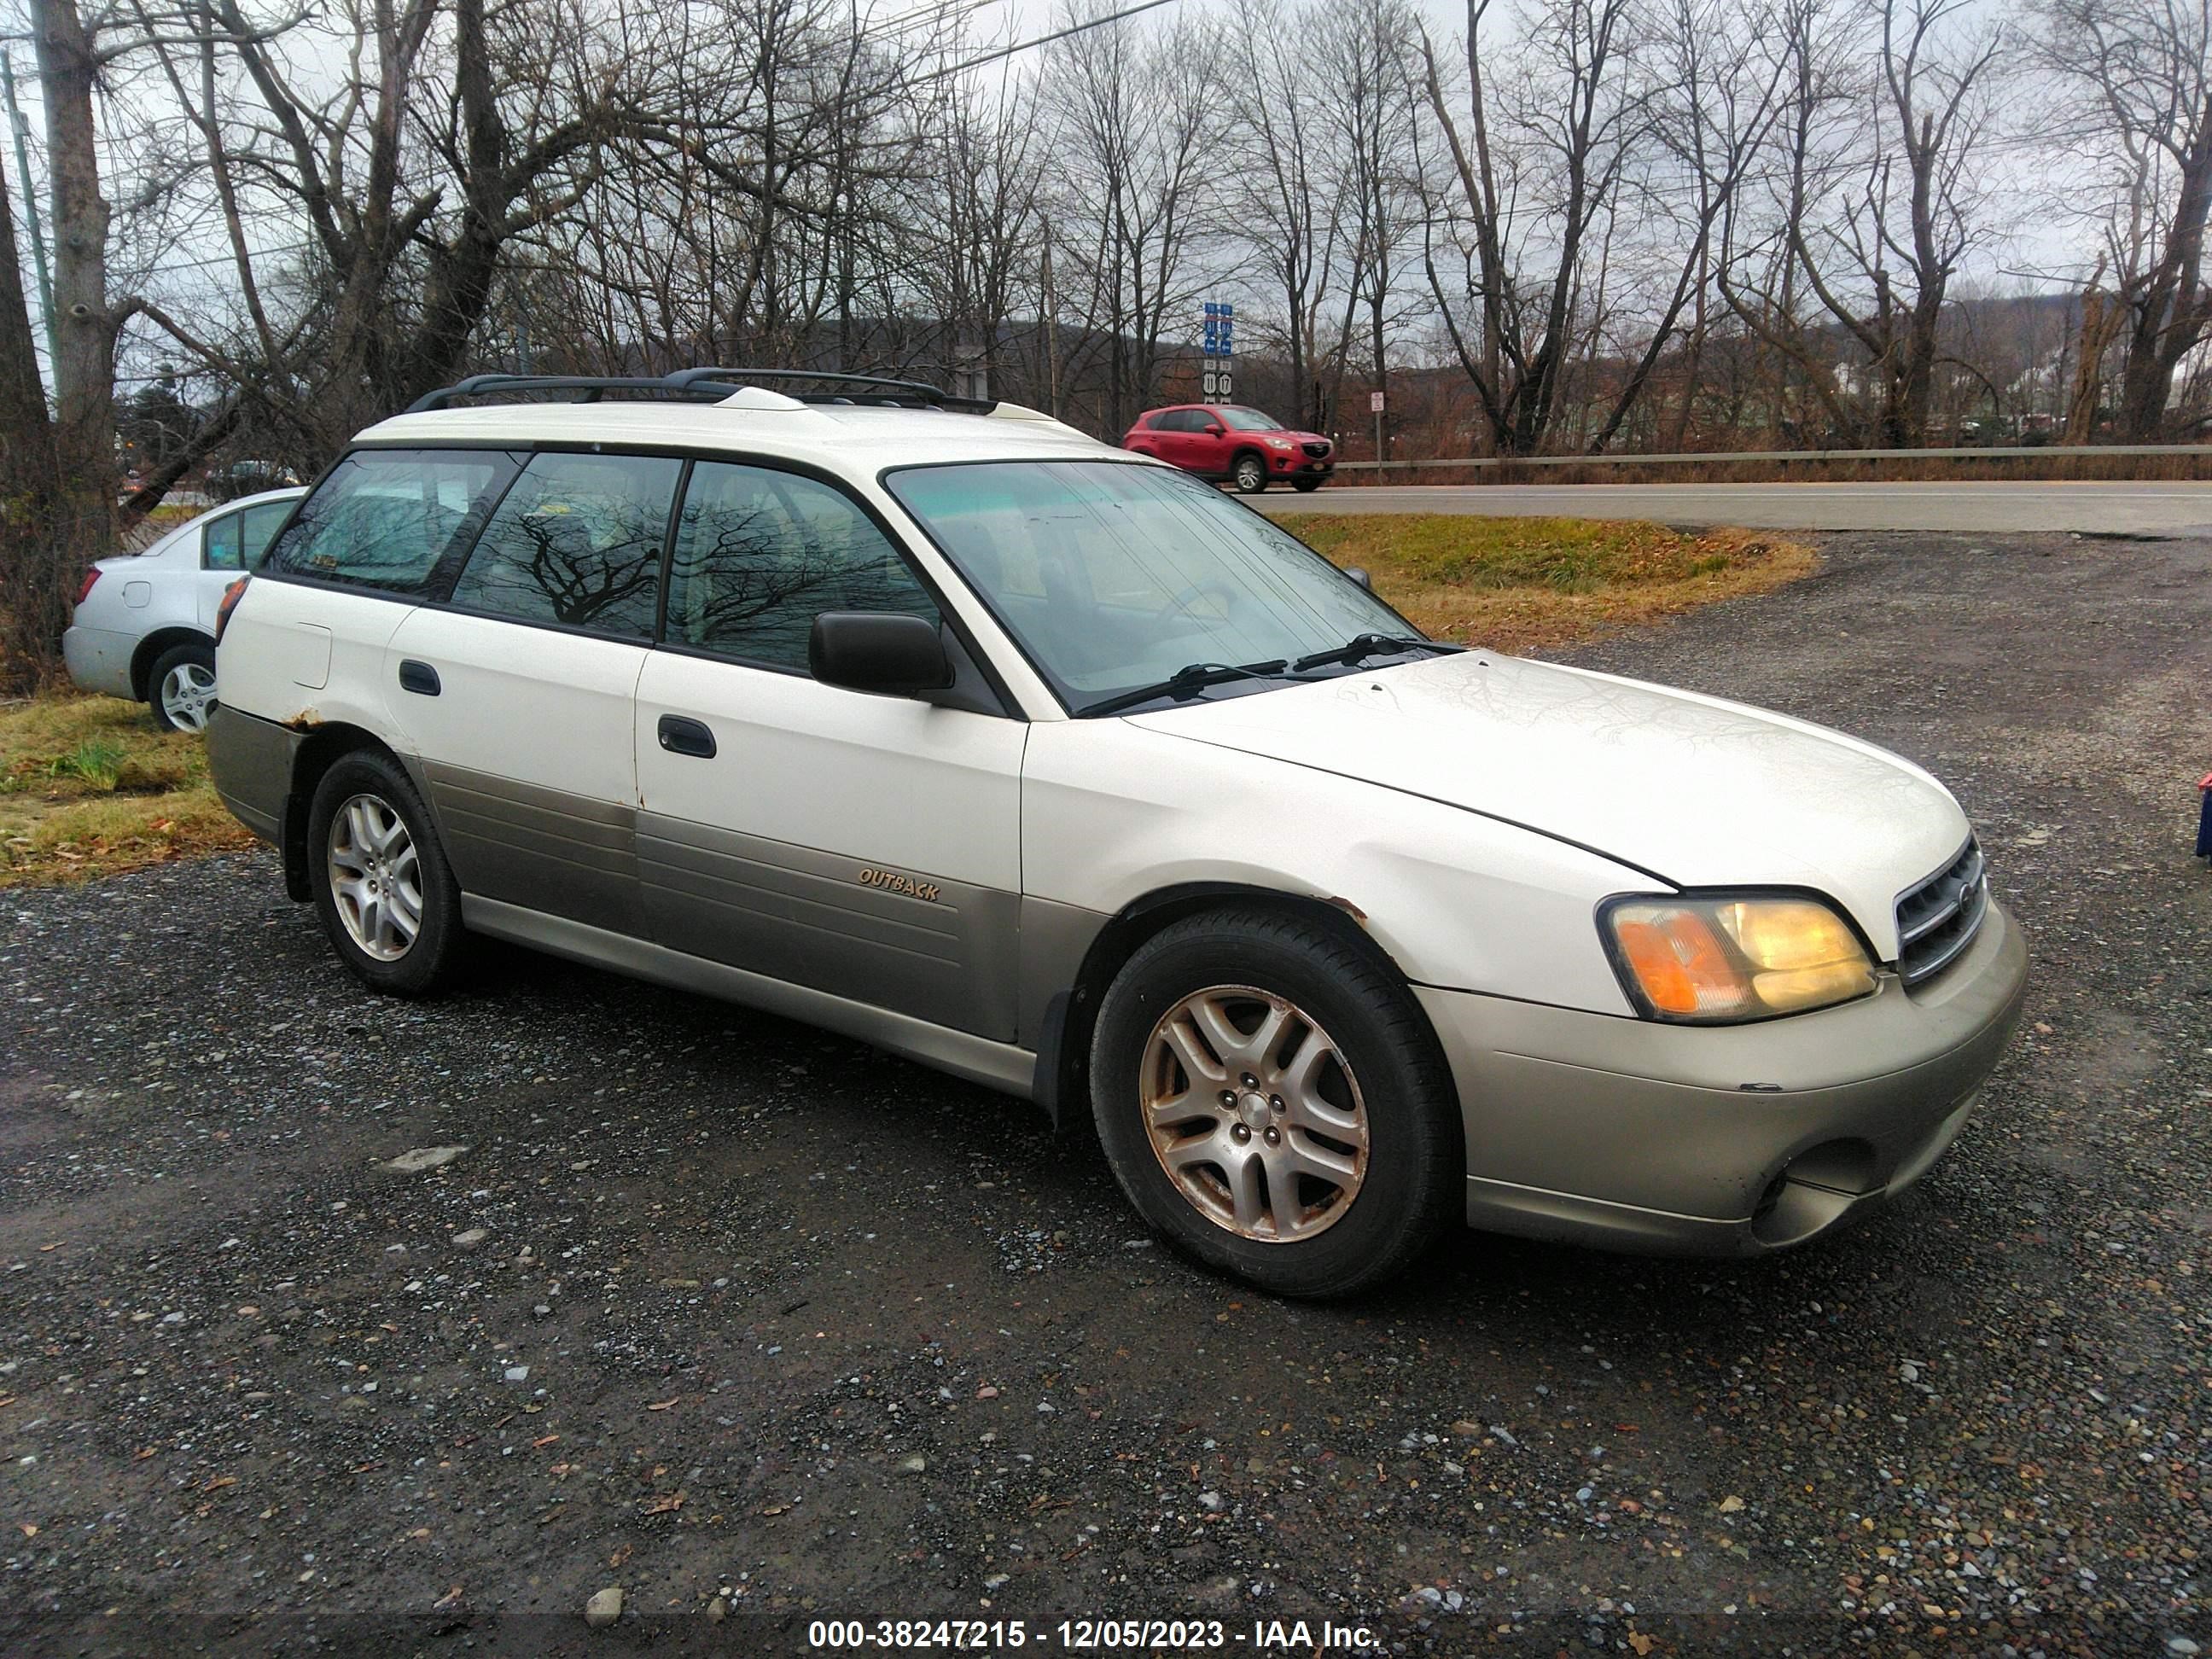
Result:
576,541
256,526
220,545
760,554
383,518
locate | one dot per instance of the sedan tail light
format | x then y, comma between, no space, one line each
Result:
231,595
84,588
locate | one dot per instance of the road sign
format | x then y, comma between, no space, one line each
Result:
1375,403
1222,381
1208,382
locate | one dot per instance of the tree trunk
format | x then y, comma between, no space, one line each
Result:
35,565
84,360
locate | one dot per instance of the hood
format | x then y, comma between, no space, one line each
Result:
1699,792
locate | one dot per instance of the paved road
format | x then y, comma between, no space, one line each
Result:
755,1307
2117,509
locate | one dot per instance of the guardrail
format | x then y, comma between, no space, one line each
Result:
2021,452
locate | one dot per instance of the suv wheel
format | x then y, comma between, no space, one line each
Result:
1250,474
386,894
1273,1102
183,684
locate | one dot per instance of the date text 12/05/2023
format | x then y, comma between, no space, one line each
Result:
1092,1635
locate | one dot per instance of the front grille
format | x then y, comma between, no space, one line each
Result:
1316,450
1938,918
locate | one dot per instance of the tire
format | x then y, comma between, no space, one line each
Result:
1305,486
180,689
350,823
1249,472
1377,1109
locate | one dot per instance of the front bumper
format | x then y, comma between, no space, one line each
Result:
98,660
1721,1140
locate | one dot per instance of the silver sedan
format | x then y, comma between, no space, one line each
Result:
144,624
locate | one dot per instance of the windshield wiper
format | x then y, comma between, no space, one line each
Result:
1361,646
1187,681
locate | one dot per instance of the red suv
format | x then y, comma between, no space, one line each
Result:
1226,441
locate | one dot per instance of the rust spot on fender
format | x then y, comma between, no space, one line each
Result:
306,720
1350,909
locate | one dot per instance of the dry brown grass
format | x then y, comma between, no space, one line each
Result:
90,786
1524,584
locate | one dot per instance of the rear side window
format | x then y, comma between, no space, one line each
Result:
576,541
760,554
236,541
383,518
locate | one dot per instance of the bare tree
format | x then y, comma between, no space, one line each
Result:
1535,159
1135,136
2142,72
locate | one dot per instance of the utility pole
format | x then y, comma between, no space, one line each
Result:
31,221
1051,335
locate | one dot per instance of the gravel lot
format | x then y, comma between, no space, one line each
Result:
762,1327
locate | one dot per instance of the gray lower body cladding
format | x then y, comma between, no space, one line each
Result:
251,760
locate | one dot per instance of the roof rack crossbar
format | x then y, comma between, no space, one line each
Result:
710,382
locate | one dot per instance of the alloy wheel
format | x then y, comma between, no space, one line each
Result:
187,694
375,877
1253,1114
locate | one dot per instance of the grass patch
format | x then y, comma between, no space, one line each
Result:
90,786
1524,584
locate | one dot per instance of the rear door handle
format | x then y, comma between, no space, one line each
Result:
680,735
419,678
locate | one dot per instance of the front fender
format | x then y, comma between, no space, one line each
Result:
1112,812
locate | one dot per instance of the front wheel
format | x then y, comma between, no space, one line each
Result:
1273,1103
1250,474
386,895
183,683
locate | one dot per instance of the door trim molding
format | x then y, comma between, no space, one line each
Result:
999,1065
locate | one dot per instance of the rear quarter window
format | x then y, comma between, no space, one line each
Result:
386,518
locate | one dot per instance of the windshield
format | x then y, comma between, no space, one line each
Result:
1249,420
1112,577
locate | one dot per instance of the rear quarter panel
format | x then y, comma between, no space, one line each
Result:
304,656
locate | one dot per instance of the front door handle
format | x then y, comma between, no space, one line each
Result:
680,735
419,678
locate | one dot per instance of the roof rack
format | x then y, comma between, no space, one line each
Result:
873,390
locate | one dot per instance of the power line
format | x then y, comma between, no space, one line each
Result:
1045,40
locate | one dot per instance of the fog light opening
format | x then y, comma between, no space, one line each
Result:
1813,1192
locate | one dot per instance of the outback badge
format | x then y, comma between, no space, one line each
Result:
891,882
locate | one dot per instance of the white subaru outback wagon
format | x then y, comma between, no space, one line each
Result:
946,727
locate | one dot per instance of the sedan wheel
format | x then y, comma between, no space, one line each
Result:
184,688
1250,473
1253,1114
375,878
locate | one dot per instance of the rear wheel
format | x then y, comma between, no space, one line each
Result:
182,687
386,894
1273,1103
1250,474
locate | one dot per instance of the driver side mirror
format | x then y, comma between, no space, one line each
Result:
888,654
1360,576
1214,428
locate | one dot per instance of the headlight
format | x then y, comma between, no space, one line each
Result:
1279,443
1709,961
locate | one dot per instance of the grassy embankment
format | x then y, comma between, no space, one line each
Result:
1529,584
88,786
